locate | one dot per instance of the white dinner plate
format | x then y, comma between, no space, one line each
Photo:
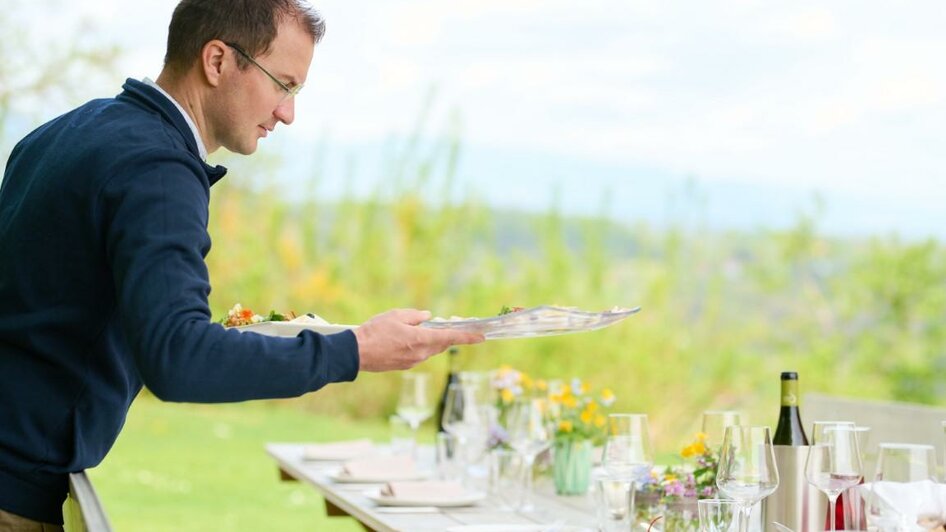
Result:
292,329
519,528
342,478
466,499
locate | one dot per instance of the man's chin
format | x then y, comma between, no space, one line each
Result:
245,149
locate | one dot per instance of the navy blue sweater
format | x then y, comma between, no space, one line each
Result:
103,288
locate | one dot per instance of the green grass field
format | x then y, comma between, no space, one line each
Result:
202,467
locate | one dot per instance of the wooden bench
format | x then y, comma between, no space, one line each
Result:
83,512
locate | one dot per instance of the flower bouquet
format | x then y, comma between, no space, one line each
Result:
669,496
580,426
579,416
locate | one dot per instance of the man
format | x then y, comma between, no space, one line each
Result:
103,285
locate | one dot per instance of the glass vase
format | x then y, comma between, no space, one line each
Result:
571,467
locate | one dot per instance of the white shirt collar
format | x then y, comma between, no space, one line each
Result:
200,143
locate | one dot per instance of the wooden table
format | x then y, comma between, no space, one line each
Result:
349,500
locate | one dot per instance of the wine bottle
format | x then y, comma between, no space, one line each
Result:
789,430
453,377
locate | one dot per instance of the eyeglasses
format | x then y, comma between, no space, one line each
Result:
290,91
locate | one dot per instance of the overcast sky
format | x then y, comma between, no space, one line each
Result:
847,98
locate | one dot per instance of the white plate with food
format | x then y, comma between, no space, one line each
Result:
545,320
279,323
292,328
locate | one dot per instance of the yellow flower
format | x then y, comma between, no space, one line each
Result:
569,401
507,395
701,436
592,406
694,449
526,381
586,417
541,385
555,398
600,420
565,426
607,397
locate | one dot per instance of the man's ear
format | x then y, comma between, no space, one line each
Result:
212,61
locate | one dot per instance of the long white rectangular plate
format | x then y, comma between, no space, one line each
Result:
545,320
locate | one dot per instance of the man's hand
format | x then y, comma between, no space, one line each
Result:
392,340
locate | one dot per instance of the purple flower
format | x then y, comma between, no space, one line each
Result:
497,436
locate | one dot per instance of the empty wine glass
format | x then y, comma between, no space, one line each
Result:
627,450
902,469
747,470
716,515
715,423
530,433
943,424
414,404
854,498
466,420
834,465
818,428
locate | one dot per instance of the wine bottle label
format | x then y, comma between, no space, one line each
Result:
789,393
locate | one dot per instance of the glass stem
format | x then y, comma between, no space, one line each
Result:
832,513
744,514
854,497
529,462
414,441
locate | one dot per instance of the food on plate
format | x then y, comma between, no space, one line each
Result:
239,316
509,310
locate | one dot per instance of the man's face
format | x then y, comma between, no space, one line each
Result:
252,103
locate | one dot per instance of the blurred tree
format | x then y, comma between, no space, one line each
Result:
41,71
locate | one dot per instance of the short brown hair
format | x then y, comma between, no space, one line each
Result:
250,23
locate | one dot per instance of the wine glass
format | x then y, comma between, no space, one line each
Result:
530,433
627,451
817,435
716,515
715,423
943,424
834,465
818,428
898,466
854,498
747,470
414,404
466,420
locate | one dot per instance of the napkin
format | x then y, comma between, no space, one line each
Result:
339,450
424,490
917,505
386,467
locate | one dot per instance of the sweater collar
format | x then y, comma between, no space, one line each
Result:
152,98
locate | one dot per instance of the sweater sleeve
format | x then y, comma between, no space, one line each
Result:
156,241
